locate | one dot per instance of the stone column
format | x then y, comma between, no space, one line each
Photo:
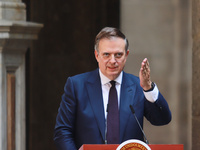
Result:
15,37
195,74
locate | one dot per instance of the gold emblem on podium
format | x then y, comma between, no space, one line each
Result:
133,145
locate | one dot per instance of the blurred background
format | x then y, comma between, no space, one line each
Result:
157,29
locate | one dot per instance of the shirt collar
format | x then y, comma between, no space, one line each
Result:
105,80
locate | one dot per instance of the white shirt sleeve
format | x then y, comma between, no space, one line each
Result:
152,96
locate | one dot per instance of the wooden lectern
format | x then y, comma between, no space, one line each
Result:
114,146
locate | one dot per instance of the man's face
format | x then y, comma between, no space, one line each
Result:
111,56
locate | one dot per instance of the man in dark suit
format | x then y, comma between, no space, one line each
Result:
83,116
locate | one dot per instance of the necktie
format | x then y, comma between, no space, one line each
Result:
113,116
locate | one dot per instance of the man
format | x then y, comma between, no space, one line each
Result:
90,114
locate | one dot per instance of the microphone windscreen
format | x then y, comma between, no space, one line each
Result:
131,107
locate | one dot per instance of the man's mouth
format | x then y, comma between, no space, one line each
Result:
112,68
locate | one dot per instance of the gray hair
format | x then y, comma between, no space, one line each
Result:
110,32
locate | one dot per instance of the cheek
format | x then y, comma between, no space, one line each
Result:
102,64
123,63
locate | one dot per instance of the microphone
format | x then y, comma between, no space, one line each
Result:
106,123
133,111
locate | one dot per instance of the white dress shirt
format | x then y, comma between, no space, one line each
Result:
105,84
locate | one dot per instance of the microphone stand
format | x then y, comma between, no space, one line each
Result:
133,111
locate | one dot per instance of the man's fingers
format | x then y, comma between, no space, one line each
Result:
145,80
145,67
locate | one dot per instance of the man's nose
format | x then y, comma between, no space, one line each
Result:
112,59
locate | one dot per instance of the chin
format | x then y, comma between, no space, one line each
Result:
113,76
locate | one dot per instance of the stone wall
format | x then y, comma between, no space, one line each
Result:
196,75
161,31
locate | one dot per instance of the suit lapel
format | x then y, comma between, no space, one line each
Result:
95,96
94,90
128,89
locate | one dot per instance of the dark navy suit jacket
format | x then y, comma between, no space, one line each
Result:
81,118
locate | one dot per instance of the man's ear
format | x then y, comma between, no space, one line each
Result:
127,52
96,54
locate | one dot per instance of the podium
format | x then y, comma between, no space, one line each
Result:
114,146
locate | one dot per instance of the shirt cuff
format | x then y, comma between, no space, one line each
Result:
152,96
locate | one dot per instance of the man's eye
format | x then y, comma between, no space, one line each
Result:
106,54
118,55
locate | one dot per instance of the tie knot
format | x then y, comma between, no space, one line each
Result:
113,83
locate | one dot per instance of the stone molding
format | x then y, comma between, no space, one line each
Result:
16,36
12,11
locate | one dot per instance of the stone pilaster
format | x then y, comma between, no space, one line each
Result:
196,75
15,37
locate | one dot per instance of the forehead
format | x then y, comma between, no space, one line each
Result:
112,44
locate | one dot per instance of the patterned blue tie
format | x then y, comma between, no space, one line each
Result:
113,116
